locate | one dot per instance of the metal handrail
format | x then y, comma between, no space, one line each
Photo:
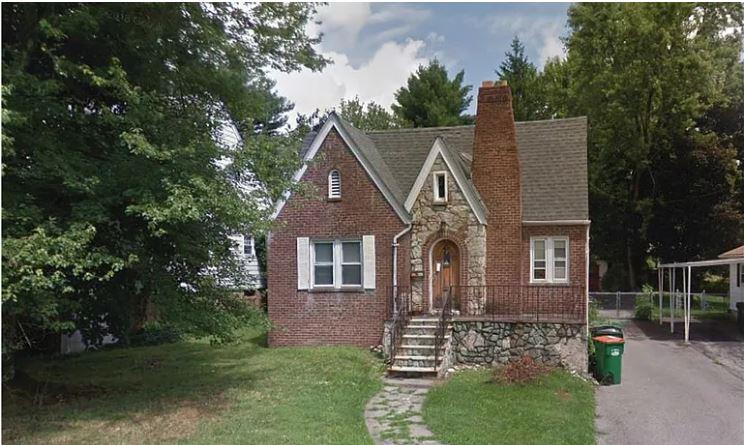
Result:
545,302
400,314
443,320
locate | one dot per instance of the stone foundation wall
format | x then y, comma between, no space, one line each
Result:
493,343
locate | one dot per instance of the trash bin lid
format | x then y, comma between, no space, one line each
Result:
607,339
615,331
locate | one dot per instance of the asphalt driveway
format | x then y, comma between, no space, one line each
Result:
672,393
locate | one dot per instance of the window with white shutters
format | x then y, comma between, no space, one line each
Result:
336,263
334,184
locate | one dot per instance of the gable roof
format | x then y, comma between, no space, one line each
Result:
737,252
365,152
453,162
553,162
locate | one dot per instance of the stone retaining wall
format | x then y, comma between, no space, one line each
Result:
495,342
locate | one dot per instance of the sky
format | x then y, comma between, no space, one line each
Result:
376,46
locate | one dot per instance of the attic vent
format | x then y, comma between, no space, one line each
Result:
334,184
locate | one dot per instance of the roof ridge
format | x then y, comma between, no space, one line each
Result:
561,119
420,129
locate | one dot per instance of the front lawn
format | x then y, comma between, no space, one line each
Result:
194,393
471,410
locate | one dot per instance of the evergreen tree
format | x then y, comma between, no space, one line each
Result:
431,99
521,75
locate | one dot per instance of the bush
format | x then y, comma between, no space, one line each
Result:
156,333
643,308
522,371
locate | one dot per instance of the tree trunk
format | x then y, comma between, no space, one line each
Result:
630,265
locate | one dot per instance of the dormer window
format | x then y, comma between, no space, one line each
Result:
334,185
440,187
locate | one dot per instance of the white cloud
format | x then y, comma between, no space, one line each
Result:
342,21
543,33
376,79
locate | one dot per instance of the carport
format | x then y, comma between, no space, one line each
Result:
669,272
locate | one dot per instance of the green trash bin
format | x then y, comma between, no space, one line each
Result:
608,355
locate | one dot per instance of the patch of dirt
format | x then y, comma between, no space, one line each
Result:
181,421
563,394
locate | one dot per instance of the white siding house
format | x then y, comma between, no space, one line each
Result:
245,250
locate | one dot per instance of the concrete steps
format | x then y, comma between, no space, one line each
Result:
416,354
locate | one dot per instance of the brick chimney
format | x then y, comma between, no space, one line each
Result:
496,174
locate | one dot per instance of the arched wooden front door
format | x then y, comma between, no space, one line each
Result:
445,271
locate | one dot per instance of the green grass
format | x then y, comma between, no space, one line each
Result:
195,393
718,308
471,410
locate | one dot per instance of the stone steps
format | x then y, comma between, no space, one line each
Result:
416,354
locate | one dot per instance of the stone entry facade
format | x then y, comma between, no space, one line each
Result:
453,220
492,343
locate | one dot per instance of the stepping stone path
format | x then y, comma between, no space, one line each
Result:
394,415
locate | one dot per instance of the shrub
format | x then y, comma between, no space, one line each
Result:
156,333
522,371
643,308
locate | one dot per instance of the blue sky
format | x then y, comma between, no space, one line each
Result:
376,46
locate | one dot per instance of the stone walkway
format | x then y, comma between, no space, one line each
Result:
394,415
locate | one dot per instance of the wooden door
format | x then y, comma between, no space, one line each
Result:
445,270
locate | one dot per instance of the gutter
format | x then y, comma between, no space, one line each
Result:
395,259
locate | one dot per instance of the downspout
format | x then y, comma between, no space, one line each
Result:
395,260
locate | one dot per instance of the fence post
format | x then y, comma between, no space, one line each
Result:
618,304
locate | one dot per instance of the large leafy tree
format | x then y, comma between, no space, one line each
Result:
656,80
431,99
120,181
522,77
369,116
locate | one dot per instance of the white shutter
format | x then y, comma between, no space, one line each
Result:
303,263
368,266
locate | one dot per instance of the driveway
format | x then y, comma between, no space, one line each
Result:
673,393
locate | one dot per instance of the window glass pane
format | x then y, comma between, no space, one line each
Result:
324,275
351,274
350,252
560,272
324,252
539,274
539,265
441,186
540,250
247,241
560,249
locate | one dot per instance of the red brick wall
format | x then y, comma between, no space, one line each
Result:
496,175
569,298
309,317
577,242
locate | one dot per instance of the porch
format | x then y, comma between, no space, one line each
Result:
509,303
418,339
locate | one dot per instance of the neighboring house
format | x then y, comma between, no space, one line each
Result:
245,250
490,219
736,276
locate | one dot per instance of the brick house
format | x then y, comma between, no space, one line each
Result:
407,230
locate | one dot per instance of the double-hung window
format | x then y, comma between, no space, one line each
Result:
337,264
549,259
440,187
248,245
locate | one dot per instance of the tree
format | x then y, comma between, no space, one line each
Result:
431,99
522,77
119,190
647,76
370,116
